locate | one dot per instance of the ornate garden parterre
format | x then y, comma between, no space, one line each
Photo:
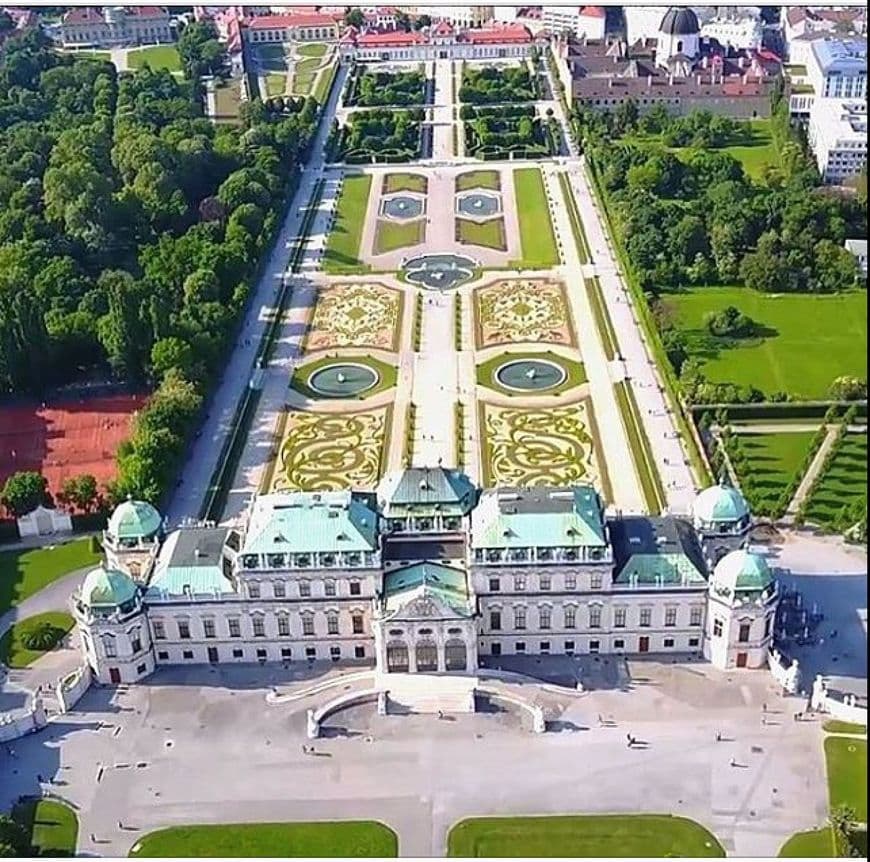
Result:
547,446
522,310
326,452
355,315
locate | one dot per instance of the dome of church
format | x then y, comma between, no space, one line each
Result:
107,587
134,519
680,22
719,503
741,571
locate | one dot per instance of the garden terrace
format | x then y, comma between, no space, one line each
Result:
374,89
492,85
841,491
505,131
382,135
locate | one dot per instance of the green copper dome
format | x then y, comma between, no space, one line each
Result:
741,571
718,504
107,587
134,519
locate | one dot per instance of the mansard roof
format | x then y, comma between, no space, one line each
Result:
656,551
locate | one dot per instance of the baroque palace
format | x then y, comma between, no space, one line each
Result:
428,574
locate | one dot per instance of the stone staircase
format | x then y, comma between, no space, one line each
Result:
428,693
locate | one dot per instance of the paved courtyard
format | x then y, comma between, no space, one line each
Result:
121,755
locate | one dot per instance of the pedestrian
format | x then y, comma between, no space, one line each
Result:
93,838
629,740
718,736
764,707
733,762
120,825
440,714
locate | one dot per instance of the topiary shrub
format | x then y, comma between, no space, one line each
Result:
42,636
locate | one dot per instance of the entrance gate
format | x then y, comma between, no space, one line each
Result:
397,658
455,656
427,657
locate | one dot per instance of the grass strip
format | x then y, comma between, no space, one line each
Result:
52,825
343,244
574,216
537,240
640,447
602,317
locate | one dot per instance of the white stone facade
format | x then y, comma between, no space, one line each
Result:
116,26
837,133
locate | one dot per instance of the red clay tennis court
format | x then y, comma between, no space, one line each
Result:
67,437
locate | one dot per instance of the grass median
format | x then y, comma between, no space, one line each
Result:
650,482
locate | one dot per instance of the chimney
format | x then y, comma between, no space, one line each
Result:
698,80
705,62
649,81
671,80
745,78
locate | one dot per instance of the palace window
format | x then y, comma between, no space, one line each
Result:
259,627
355,588
329,587
544,617
208,628
717,628
238,653
253,590
767,621
261,655
310,653
594,646
184,629
570,617
359,652
163,655
545,646
304,588
670,616
696,614
520,646
188,654
693,642
283,625
286,652
595,617
357,622
619,618
159,630
619,643
595,581
332,624
645,618
307,625
519,618
668,642
235,628
570,582
494,585
279,589
495,620
109,646
545,583
569,647
743,633
519,583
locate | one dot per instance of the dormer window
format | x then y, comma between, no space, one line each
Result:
250,561
328,559
303,561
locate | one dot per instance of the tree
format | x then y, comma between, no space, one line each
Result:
121,329
169,353
848,389
200,51
423,21
836,268
14,841
80,492
6,22
730,322
355,18
23,492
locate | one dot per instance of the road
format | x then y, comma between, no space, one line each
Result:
203,457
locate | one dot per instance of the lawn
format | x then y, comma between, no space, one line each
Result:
834,726
390,235
815,844
53,826
157,57
324,83
478,180
304,73
13,651
23,573
536,230
846,761
362,838
271,57
342,245
311,50
276,83
227,101
490,234
608,836
650,482
758,154
813,338
773,460
404,183
844,481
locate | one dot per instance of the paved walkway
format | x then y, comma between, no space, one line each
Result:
614,450
442,111
202,460
54,597
809,478
639,366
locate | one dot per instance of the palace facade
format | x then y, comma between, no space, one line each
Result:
427,574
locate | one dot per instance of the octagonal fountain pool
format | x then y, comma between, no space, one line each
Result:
528,375
342,380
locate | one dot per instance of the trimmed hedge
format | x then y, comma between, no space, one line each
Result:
780,410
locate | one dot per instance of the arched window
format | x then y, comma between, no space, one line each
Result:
110,647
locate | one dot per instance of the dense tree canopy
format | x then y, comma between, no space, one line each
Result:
129,224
